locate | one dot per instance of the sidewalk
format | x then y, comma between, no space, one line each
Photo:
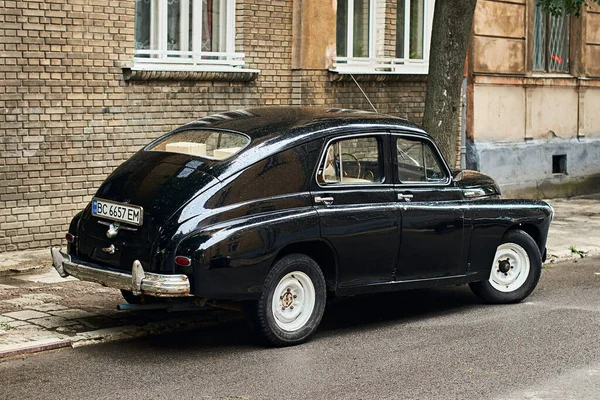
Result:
41,311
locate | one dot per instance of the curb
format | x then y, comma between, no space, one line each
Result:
558,258
114,334
36,346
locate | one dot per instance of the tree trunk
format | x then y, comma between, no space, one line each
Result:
452,20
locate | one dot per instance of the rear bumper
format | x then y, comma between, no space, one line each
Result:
138,281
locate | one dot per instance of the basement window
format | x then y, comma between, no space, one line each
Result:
559,164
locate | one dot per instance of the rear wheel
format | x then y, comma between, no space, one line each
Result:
292,303
515,271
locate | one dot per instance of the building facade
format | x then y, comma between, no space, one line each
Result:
533,116
84,84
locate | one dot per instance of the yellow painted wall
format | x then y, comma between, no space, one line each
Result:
499,113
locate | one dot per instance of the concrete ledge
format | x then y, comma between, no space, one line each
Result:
337,77
138,75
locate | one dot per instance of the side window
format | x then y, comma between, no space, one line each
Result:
352,161
418,162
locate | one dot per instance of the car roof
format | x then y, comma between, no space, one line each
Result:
296,123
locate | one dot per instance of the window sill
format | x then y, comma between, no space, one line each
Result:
147,72
377,76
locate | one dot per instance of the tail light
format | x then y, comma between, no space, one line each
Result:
183,261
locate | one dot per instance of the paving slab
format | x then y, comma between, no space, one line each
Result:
575,229
47,307
26,315
72,313
7,287
49,276
23,302
51,322
4,319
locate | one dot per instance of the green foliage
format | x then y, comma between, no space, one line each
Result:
557,7
580,253
7,327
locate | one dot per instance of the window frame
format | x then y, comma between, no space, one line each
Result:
159,58
546,45
381,138
436,153
346,64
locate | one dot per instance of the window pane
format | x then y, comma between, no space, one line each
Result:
341,29
202,143
213,25
433,168
539,39
361,29
173,25
417,19
400,12
410,160
359,162
559,44
142,24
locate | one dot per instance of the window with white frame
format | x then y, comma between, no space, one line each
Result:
362,36
186,35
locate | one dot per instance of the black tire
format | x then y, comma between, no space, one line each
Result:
267,322
489,291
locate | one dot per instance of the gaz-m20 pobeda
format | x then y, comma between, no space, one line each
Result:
279,208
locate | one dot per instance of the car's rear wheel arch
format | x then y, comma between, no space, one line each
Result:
319,251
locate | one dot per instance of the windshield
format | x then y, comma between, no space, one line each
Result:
216,145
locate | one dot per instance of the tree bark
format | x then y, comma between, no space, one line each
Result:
452,20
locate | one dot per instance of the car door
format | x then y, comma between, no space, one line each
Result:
356,204
431,211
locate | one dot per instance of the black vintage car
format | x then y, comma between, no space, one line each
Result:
278,208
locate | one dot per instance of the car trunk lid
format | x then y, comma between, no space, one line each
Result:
159,182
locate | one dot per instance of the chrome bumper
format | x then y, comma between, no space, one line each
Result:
138,281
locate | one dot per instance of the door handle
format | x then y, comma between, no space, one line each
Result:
407,197
324,200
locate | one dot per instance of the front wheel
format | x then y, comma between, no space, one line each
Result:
515,271
292,303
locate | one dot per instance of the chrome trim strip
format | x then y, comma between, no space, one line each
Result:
137,281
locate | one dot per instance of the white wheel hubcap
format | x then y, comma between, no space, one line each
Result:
510,268
293,301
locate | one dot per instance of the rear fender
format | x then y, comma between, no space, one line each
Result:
230,260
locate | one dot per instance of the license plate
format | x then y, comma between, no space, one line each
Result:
117,211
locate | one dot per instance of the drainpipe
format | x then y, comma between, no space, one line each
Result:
463,127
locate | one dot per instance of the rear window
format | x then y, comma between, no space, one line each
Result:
216,145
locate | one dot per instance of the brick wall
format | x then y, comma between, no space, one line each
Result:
68,118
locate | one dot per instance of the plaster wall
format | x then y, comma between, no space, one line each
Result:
553,112
499,37
591,114
499,113
592,40
525,169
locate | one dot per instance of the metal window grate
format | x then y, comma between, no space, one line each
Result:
550,42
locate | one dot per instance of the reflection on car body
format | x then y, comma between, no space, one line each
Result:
280,207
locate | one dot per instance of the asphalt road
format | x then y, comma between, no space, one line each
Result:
429,344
